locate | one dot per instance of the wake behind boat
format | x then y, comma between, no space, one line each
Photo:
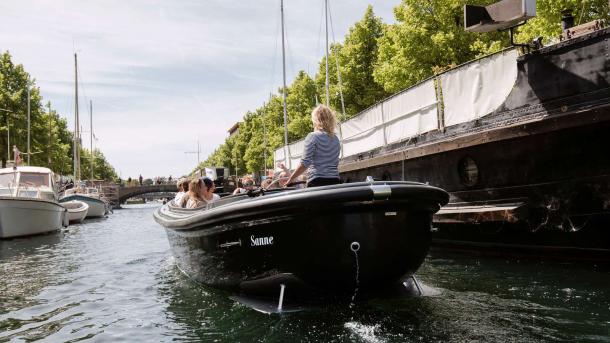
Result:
318,242
28,202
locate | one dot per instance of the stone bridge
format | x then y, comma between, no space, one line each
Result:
130,192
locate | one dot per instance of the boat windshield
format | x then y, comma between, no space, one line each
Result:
34,179
7,180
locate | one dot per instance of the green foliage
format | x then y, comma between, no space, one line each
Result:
51,141
429,36
102,170
548,20
357,57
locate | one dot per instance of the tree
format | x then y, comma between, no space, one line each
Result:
51,141
428,37
547,22
357,58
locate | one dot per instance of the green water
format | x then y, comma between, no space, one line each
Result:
115,280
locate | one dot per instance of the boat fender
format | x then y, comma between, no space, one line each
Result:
65,220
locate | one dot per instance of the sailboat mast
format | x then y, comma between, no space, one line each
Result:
76,124
91,135
49,147
29,128
327,80
286,148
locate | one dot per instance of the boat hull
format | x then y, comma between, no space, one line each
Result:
77,211
26,217
317,249
97,207
531,178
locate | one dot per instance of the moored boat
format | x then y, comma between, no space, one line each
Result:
77,210
28,202
318,242
90,196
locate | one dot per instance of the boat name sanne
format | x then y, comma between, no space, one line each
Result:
258,241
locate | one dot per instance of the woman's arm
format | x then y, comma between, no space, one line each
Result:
297,172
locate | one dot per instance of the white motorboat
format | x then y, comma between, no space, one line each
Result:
28,202
77,210
88,195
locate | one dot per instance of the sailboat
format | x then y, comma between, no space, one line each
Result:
306,244
88,195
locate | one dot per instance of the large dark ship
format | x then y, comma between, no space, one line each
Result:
519,139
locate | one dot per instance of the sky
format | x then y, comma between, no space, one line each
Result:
163,74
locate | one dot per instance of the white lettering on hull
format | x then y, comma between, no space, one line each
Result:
260,241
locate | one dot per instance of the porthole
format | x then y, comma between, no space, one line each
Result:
468,171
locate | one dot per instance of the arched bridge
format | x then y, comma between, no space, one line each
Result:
130,192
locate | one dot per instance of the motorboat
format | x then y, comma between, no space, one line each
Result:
89,195
77,210
28,202
315,242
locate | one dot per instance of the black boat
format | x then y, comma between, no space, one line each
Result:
318,242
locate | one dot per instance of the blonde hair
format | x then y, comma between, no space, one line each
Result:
194,192
324,119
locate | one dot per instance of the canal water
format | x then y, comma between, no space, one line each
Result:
115,280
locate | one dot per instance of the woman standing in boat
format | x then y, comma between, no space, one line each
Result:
321,153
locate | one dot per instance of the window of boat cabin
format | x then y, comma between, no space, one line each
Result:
34,179
7,179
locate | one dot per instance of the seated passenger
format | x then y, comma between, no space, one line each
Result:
207,191
266,183
193,197
183,185
246,184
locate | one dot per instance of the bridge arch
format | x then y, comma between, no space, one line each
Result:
130,192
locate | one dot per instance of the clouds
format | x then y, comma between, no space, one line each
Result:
164,73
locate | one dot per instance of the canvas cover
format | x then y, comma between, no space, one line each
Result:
479,88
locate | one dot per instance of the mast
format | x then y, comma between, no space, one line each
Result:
76,124
29,152
50,136
91,135
286,148
327,81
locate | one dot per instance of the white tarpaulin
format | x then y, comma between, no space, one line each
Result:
411,113
363,132
296,153
479,88
278,155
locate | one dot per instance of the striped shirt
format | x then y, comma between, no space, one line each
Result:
321,155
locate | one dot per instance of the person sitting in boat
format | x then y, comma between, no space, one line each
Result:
266,183
244,185
183,187
194,199
321,152
207,191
